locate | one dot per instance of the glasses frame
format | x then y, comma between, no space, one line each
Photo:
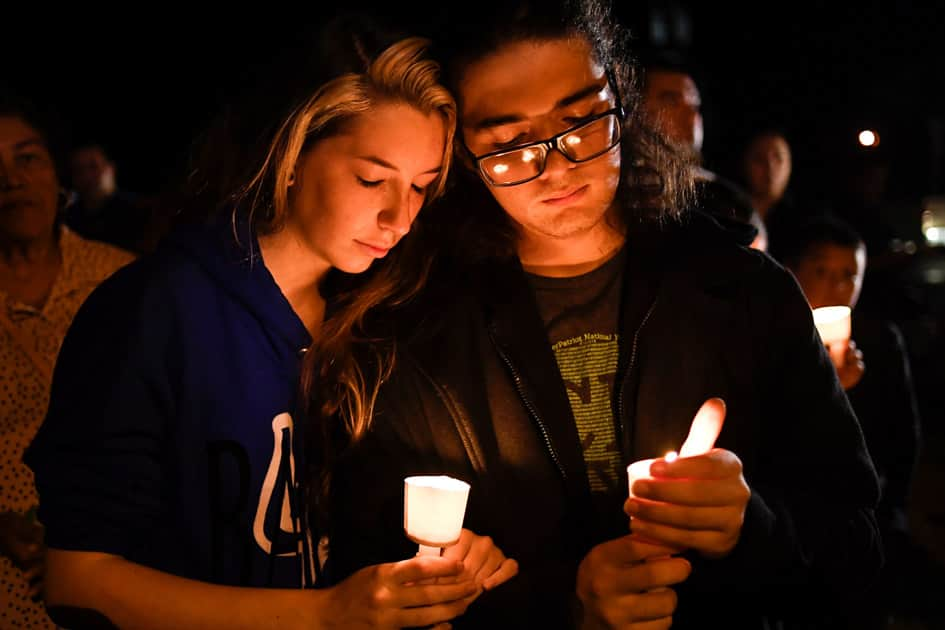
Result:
555,142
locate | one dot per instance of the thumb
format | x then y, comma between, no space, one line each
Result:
705,428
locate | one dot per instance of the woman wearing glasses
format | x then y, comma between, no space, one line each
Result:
168,464
578,319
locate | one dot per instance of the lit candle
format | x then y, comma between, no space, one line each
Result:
434,507
833,324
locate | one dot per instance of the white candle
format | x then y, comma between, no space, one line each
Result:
833,324
434,507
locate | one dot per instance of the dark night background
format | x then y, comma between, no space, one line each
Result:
144,83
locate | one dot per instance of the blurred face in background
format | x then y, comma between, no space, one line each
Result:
831,274
93,175
29,186
767,167
672,104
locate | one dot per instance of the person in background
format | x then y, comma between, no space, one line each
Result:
765,170
101,210
46,272
672,104
168,463
829,259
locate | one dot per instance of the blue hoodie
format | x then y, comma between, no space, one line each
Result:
172,428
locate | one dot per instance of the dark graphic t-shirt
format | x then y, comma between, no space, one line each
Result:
580,315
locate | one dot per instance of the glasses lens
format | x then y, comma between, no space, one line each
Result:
592,139
514,166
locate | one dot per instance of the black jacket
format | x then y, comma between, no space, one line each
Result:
476,394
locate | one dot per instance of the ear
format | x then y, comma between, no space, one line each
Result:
292,178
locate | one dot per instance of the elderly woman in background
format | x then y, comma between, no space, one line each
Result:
46,272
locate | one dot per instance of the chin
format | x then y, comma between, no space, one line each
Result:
354,265
570,222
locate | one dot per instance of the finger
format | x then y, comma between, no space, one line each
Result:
705,428
629,549
656,624
429,615
655,573
431,594
506,571
684,517
33,573
708,541
488,565
694,492
423,568
717,463
460,549
639,607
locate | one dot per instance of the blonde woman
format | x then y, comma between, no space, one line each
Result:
167,466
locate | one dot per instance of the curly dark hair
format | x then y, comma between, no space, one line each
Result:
656,182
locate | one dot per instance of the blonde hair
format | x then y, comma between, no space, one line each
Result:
344,368
400,74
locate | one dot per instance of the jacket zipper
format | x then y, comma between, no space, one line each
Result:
528,405
630,363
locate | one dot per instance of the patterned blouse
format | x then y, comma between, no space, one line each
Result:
25,377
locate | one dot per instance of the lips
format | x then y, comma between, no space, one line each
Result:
567,195
378,251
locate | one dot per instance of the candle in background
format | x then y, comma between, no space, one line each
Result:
434,507
833,324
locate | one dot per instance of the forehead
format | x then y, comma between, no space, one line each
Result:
770,143
668,82
89,154
400,134
14,130
836,254
527,79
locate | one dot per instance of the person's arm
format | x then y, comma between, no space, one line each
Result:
809,534
88,590
810,522
902,425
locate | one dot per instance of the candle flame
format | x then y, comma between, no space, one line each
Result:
671,456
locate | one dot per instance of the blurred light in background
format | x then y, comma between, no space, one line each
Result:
933,220
869,138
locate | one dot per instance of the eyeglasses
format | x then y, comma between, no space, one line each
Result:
592,138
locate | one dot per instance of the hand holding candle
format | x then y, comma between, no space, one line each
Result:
694,501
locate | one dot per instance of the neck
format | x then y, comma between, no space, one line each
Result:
97,199
298,272
573,255
21,257
762,205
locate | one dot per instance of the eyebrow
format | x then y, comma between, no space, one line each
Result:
30,142
498,121
380,162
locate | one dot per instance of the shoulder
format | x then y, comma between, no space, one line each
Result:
715,253
93,260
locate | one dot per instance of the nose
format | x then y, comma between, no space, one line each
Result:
399,213
555,164
9,177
